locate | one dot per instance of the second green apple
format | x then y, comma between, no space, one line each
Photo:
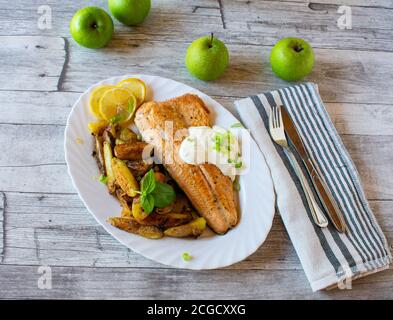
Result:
292,59
130,12
207,58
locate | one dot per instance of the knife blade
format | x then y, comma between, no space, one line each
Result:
324,194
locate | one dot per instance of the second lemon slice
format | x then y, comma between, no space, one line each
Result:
137,87
95,98
117,105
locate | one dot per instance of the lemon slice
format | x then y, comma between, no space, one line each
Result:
117,105
95,97
97,127
137,87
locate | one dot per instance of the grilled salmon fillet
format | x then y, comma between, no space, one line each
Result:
210,192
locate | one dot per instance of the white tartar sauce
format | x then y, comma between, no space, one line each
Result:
213,145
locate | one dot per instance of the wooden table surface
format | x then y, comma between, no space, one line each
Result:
42,73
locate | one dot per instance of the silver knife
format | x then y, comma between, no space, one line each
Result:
324,194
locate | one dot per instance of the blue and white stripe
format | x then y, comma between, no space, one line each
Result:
363,248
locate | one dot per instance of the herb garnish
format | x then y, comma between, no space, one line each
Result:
116,119
238,165
155,193
103,179
186,256
237,125
236,185
217,142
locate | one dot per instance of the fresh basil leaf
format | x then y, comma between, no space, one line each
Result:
163,195
148,182
147,202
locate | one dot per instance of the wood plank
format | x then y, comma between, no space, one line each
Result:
362,119
373,159
60,231
356,3
31,145
342,76
131,283
57,230
2,226
246,22
23,66
32,107
52,108
39,178
261,23
168,20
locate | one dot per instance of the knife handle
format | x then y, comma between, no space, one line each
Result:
326,198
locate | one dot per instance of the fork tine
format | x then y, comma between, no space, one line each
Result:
277,119
275,122
280,123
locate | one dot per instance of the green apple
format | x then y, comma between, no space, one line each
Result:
207,58
292,59
91,27
130,12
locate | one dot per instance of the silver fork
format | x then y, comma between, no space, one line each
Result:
276,128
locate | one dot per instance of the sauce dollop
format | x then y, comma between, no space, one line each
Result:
214,145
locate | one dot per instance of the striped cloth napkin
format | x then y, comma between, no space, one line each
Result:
328,257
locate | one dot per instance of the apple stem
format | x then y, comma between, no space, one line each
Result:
298,48
211,40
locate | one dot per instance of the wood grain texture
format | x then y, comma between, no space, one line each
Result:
141,283
42,220
343,76
23,66
236,21
57,230
2,226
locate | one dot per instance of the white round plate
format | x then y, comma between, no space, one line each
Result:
256,196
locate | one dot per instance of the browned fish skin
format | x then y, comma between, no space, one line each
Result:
223,190
207,188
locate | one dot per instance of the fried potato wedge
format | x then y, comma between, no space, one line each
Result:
193,228
99,153
138,167
119,141
122,197
127,135
177,219
166,220
107,150
150,232
130,225
137,211
181,204
130,150
124,177
126,212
